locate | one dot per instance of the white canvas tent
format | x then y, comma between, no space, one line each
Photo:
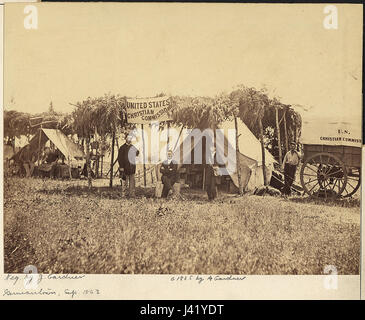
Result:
250,157
250,154
72,152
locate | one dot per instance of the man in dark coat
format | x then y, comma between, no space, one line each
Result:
211,175
127,164
170,175
51,158
27,158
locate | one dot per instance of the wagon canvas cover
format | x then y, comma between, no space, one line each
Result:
340,131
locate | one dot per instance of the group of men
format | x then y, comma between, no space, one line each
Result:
170,173
169,169
48,160
127,168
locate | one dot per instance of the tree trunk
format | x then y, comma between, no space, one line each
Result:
262,151
112,162
238,164
278,133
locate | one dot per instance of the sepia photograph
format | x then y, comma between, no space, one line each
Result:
182,139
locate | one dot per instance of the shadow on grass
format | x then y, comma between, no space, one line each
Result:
340,202
105,192
195,195
98,192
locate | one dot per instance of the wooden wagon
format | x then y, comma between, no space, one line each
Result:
331,160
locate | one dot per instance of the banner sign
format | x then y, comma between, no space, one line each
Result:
146,110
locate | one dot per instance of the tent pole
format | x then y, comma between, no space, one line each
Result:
168,135
39,143
88,163
112,162
278,132
177,141
101,169
262,150
286,134
238,164
144,162
203,188
69,168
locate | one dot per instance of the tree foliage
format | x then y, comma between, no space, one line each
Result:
102,115
201,112
16,124
254,104
106,115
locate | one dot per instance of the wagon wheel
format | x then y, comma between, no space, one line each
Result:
353,182
323,175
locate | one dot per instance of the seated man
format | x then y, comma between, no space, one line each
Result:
51,158
170,174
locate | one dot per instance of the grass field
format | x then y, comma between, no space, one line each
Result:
62,227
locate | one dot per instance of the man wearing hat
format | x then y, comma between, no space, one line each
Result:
170,174
27,158
290,163
127,164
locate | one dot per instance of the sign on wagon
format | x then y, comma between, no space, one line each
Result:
146,110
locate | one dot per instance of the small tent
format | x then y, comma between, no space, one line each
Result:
72,152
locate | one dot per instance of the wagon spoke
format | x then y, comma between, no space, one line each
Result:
348,182
325,191
328,160
312,175
339,185
351,178
310,181
333,173
346,190
313,187
329,168
315,171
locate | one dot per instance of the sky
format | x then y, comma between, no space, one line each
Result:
140,50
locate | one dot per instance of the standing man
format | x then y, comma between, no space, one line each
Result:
27,159
170,174
290,163
211,175
127,164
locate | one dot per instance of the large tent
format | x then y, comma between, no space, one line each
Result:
250,155
72,152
